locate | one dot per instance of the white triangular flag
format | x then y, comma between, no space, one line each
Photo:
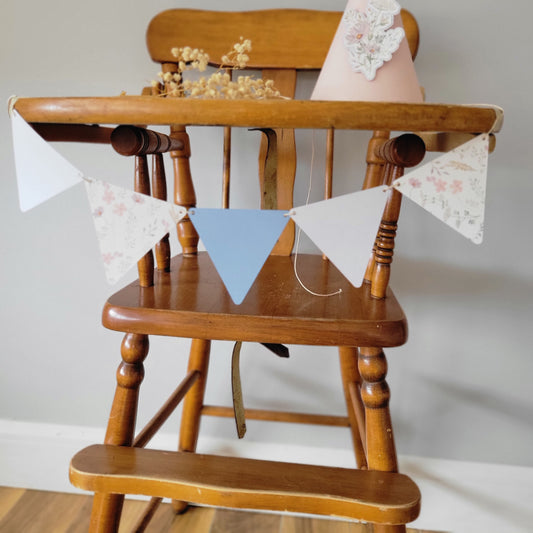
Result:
238,242
41,171
452,187
127,224
345,228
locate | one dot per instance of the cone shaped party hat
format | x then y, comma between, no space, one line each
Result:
369,59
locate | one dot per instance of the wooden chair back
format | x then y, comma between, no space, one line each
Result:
296,39
284,42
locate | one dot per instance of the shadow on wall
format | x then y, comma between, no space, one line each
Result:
492,400
431,278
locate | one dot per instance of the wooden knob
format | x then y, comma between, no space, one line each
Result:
404,151
132,140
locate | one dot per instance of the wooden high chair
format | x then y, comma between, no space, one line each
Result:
184,297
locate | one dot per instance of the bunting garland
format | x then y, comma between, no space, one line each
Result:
452,187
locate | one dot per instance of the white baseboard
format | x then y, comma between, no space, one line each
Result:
459,497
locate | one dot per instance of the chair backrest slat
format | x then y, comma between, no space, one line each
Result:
281,38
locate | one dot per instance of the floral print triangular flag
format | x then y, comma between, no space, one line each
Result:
452,187
128,224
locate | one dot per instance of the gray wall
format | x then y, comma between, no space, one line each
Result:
461,386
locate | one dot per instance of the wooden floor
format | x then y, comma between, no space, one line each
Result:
30,511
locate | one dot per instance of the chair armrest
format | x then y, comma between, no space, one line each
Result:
260,113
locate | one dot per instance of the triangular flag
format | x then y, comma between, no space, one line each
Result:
238,242
345,228
127,224
452,187
41,171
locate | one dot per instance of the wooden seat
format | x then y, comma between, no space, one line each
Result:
380,497
184,297
183,300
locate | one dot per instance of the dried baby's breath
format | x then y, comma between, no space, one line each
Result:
220,83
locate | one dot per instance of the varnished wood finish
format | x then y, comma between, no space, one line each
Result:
144,436
304,35
374,176
259,114
74,133
198,363
105,516
192,300
192,406
184,193
351,381
132,140
399,153
445,142
380,497
145,266
147,516
159,190
279,416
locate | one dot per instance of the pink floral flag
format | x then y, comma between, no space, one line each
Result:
128,224
452,187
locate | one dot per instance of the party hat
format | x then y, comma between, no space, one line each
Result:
369,58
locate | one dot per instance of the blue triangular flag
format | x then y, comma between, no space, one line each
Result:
239,242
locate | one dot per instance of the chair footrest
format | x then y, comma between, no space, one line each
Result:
380,497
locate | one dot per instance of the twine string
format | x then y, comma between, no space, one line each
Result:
299,232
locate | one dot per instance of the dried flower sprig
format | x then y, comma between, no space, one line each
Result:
219,84
238,57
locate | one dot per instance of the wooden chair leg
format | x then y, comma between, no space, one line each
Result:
351,381
193,403
107,508
375,393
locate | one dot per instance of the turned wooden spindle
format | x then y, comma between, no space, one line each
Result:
374,176
132,140
375,394
184,194
145,265
351,381
375,164
159,191
121,426
399,153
